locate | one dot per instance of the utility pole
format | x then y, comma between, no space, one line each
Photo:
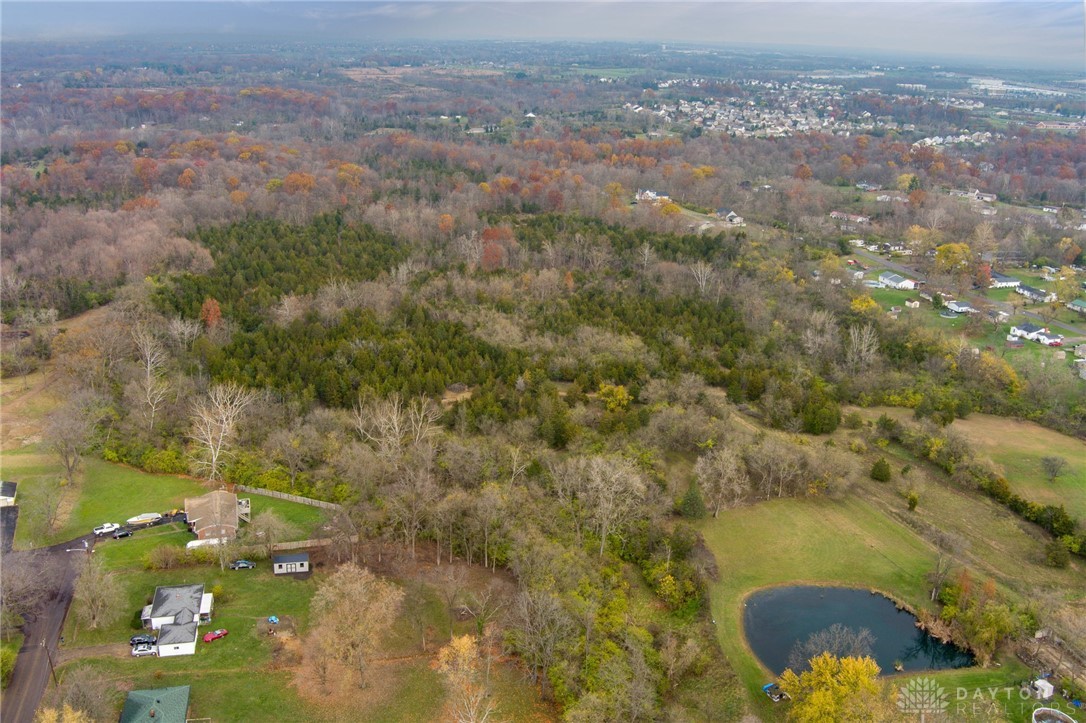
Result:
52,668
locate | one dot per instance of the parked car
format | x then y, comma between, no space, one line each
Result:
106,529
142,639
216,634
775,693
122,533
142,649
242,565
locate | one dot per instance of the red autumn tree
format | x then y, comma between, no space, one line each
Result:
210,313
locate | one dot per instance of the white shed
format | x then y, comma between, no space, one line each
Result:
287,564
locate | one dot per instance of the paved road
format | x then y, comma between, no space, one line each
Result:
42,631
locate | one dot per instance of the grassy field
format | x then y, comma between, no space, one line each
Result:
806,541
1017,447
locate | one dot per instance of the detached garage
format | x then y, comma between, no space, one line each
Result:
289,564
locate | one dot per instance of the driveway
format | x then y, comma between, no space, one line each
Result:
42,630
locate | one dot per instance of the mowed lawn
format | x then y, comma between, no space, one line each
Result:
847,543
1018,447
108,492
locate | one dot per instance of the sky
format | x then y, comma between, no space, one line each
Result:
1006,33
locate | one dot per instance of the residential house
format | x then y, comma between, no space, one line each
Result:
733,218
215,515
649,196
291,563
1002,281
175,613
1049,339
8,491
1027,330
157,705
962,307
1078,306
1035,294
974,194
895,281
850,217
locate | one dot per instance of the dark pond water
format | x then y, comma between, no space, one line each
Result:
777,618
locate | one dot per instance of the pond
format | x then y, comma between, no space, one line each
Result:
776,619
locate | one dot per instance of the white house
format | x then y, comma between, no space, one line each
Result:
287,564
1035,294
1027,330
962,307
1048,338
1002,281
896,281
175,613
647,195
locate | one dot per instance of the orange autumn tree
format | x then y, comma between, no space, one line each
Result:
210,313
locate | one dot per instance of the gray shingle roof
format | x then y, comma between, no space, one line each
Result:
180,602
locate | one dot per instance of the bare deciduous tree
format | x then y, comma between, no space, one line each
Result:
297,449
354,609
861,348
214,424
88,691
411,500
268,529
821,336
722,477
539,627
98,597
150,353
68,432
183,332
704,276
1053,466
27,579
677,657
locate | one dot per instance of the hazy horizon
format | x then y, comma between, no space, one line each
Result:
1023,34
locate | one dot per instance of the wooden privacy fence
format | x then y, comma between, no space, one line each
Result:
303,544
289,498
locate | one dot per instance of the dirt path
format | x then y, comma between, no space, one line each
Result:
114,650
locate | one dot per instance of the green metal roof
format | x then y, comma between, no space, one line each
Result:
157,705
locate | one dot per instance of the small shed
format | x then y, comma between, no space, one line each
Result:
1042,689
292,563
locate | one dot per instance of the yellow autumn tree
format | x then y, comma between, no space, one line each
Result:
459,661
67,714
839,689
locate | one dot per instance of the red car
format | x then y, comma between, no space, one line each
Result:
215,635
